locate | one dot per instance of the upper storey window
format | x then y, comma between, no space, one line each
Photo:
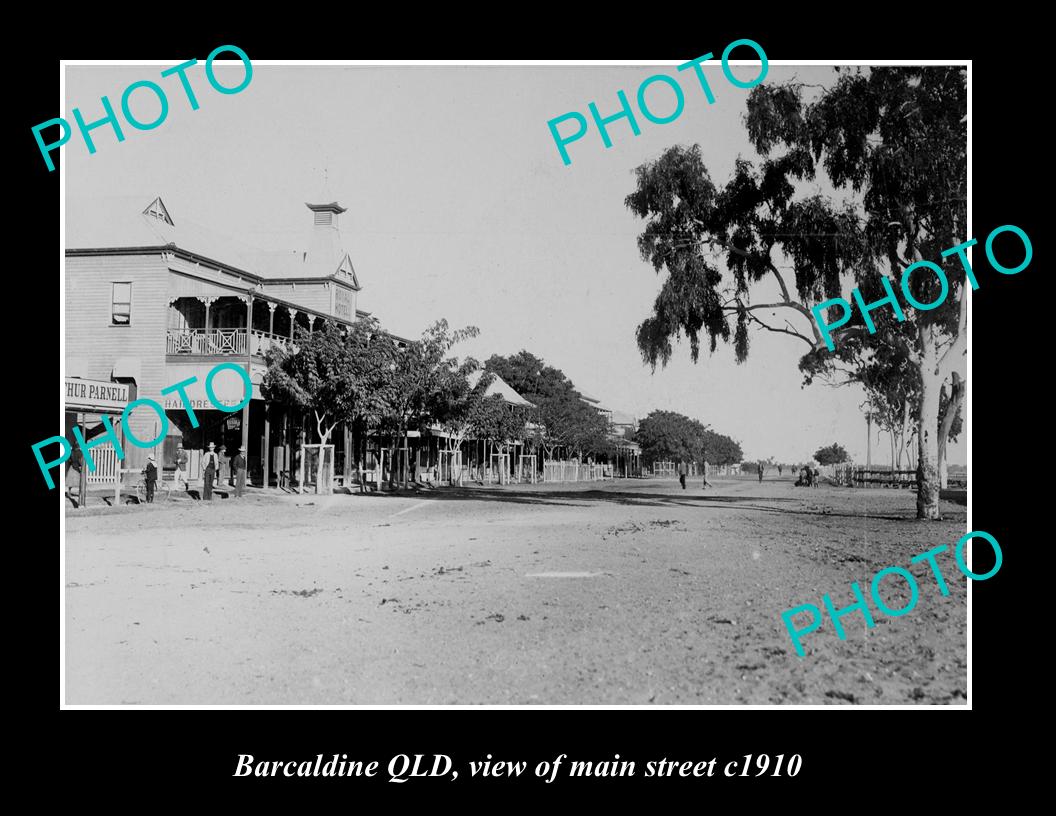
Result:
121,304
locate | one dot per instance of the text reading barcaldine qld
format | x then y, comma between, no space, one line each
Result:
111,119
401,767
601,122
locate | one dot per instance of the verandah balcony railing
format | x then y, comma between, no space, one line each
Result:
222,341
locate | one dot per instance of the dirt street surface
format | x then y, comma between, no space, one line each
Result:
631,592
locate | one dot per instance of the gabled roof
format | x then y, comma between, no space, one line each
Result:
500,387
157,210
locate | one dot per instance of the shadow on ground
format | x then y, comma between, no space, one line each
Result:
580,498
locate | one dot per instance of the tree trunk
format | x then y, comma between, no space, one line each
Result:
323,436
319,468
927,421
456,448
952,407
905,433
406,459
393,475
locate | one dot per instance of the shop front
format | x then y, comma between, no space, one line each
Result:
86,403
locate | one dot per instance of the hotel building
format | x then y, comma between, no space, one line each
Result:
153,299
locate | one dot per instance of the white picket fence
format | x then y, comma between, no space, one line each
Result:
106,464
560,471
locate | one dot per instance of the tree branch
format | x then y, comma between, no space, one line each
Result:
793,333
799,307
790,331
780,281
892,339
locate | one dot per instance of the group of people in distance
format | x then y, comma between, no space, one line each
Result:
683,471
809,476
212,466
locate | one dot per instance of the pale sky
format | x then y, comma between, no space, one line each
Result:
460,207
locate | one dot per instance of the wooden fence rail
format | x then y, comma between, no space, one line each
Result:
859,476
560,471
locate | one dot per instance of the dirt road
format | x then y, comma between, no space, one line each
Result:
625,593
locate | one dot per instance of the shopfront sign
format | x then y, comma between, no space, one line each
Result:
95,396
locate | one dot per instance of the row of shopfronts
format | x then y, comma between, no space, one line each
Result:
153,300
275,448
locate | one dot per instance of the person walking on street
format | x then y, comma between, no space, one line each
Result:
150,478
682,470
760,468
705,468
239,464
211,464
179,476
817,477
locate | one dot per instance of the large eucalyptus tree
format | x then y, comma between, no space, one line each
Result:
852,184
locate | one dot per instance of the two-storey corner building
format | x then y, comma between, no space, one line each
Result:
153,299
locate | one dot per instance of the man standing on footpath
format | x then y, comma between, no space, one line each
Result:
179,476
705,468
682,470
760,467
238,464
150,478
210,464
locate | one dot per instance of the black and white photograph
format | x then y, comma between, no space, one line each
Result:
524,384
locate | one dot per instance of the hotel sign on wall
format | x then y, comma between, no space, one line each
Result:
343,303
95,395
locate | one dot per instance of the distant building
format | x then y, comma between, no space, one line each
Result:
627,456
595,403
623,425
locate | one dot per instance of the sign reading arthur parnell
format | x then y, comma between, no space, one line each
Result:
92,394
